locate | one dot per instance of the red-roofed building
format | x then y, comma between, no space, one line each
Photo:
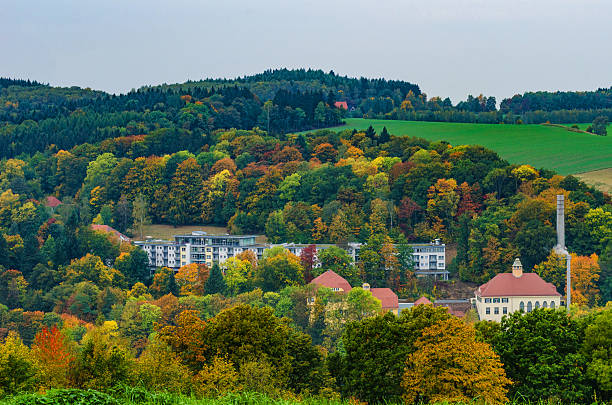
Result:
341,104
422,301
331,279
52,202
388,299
517,291
111,230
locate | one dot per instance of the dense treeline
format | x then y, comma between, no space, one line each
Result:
33,118
560,100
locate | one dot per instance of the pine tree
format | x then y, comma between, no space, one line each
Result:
215,283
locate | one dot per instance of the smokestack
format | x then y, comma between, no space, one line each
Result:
561,221
560,248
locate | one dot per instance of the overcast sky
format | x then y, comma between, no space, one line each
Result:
448,47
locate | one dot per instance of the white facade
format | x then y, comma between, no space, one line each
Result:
510,292
200,247
494,308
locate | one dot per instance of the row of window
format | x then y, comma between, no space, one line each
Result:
537,305
496,300
496,310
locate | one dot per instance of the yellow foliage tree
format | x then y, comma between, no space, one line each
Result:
448,364
217,378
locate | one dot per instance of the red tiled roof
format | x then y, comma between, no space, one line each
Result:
331,279
52,202
109,229
506,285
423,301
387,297
341,104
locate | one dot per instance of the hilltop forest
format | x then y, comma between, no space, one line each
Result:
79,308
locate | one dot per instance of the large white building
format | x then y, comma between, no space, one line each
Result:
201,247
517,291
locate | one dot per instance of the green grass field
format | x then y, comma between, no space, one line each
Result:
538,145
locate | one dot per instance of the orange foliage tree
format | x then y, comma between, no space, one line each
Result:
53,354
585,273
187,338
191,278
448,364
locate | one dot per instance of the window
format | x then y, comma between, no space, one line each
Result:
487,300
496,310
504,300
529,306
552,304
505,310
496,300
488,311
522,306
537,305
545,304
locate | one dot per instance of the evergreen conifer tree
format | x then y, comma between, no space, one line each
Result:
215,283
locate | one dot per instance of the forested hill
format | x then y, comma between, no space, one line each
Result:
354,91
560,100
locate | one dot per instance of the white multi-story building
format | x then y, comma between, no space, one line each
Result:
162,253
200,247
430,259
517,291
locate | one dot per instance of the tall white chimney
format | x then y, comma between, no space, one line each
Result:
560,248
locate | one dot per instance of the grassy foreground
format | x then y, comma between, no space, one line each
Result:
538,145
137,396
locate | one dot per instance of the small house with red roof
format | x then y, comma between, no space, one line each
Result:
341,104
52,202
517,291
112,231
333,280
330,279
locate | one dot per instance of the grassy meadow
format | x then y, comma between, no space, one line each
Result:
544,146
167,232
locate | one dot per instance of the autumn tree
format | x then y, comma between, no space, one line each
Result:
184,193
307,259
187,338
449,365
191,279
585,273
53,354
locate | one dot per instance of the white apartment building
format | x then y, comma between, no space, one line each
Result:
517,291
201,247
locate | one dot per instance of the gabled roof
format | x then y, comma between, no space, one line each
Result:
507,285
52,201
387,297
331,279
341,104
108,229
423,301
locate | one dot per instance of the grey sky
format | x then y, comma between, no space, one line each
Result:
450,48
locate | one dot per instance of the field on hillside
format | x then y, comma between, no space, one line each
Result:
602,179
538,145
167,232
